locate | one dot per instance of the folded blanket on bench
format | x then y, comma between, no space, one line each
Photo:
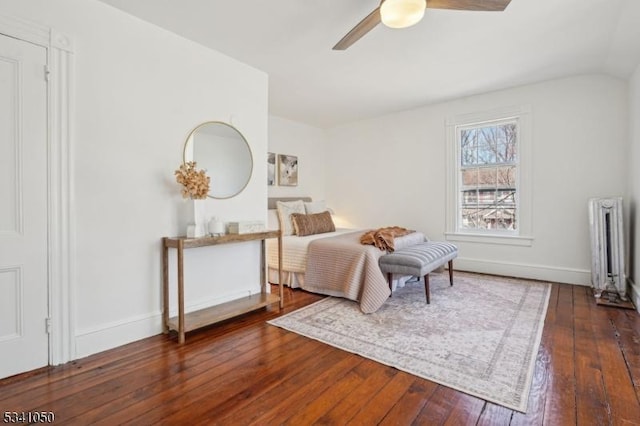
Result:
383,238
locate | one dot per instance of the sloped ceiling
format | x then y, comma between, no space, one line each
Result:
449,54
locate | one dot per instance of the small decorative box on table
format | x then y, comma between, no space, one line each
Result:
187,322
246,227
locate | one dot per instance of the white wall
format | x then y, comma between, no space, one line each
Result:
139,90
391,171
634,185
306,142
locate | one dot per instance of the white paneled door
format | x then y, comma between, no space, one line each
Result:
24,342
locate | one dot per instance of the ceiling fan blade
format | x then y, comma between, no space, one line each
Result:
373,19
363,27
479,5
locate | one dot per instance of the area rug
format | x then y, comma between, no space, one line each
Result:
480,336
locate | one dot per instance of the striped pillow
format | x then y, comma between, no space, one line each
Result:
309,224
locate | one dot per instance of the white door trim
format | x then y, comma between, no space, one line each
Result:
60,212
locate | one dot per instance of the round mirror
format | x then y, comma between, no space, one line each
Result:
221,150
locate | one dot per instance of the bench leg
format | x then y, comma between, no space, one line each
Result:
451,272
426,288
390,279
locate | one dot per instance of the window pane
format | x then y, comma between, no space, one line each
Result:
507,143
487,197
487,135
500,218
486,154
502,134
468,147
469,198
470,177
469,156
506,177
469,218
486,147
469,208
487,177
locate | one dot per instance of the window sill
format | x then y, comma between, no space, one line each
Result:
510,240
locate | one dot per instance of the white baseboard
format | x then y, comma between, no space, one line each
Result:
109,336
118,333
521,270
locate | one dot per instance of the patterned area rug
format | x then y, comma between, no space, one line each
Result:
480,336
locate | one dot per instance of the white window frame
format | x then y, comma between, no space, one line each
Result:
522,235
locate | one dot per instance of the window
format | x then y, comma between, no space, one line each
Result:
488,190
487,181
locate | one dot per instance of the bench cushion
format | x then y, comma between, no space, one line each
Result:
419,259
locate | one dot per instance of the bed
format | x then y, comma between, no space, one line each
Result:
333,263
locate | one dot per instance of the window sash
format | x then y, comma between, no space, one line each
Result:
468,159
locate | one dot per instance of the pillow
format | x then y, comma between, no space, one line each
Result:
309,224
315,207
272,219
285,210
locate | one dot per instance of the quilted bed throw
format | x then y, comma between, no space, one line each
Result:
343,267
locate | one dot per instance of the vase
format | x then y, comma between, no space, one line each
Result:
216,227
197,222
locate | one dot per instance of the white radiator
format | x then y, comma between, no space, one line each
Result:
607,248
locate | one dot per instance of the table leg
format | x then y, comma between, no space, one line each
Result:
180,255
165,287
263,267
280,278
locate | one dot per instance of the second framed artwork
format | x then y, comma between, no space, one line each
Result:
271,169
287,170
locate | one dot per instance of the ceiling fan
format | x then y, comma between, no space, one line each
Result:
404,13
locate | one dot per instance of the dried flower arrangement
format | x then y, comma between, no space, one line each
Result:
195,183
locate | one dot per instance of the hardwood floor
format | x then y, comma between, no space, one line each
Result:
245,371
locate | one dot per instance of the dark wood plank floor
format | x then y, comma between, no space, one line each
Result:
245,371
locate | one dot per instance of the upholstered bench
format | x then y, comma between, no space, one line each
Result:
419,260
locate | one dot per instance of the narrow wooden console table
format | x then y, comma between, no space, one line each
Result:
187,322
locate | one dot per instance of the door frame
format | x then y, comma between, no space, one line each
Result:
60,194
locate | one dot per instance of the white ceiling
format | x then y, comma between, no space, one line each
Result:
449,54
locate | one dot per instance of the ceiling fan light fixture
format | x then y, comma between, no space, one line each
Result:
402,13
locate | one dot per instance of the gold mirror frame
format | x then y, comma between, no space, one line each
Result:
225,172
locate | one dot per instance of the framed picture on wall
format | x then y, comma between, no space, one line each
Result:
271,168
287,170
